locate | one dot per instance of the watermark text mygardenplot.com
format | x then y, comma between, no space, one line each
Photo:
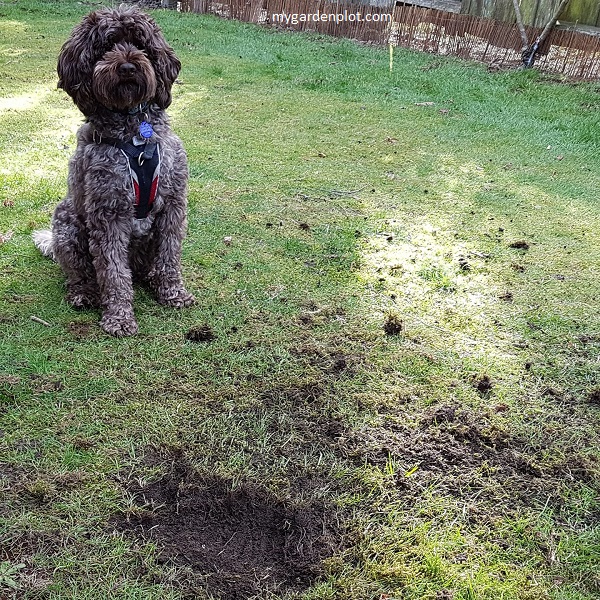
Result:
323,17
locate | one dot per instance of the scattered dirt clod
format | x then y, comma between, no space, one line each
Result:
393,324
483,384
202,333
463,264
519,245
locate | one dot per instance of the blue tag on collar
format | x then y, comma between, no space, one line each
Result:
146,130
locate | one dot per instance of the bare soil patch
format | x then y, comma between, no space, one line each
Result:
239,542
458,452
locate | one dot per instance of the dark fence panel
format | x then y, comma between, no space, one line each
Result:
574,54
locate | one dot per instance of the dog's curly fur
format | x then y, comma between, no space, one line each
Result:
114,61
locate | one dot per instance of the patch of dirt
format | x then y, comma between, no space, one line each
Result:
202,333
457,450
39,488
22,546
579,468
10,380
45,383
239,541
464,264
440,414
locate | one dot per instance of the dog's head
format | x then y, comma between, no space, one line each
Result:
117,58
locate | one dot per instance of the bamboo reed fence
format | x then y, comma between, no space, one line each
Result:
571,53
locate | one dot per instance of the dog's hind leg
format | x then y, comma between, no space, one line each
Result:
69,246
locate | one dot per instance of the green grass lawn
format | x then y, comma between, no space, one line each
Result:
401,396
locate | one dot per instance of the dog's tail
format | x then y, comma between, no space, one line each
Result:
44,242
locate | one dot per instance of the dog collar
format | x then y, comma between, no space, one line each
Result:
136,110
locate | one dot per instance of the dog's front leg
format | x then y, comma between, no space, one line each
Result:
166,277
109,235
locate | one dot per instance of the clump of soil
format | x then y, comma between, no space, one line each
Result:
202,333
519,245
483,384
393,324
240,542
463,264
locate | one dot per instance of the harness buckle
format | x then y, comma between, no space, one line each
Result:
141,159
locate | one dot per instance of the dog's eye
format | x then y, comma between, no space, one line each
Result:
112,36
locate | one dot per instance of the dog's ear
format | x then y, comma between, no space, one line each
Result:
166,74
76,64
165,62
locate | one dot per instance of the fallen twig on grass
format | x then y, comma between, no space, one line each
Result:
40,321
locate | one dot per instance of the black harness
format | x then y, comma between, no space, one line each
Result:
144,168
143,159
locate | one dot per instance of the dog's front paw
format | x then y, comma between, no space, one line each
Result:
176,298
119,325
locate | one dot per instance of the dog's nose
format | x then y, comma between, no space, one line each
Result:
127,70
